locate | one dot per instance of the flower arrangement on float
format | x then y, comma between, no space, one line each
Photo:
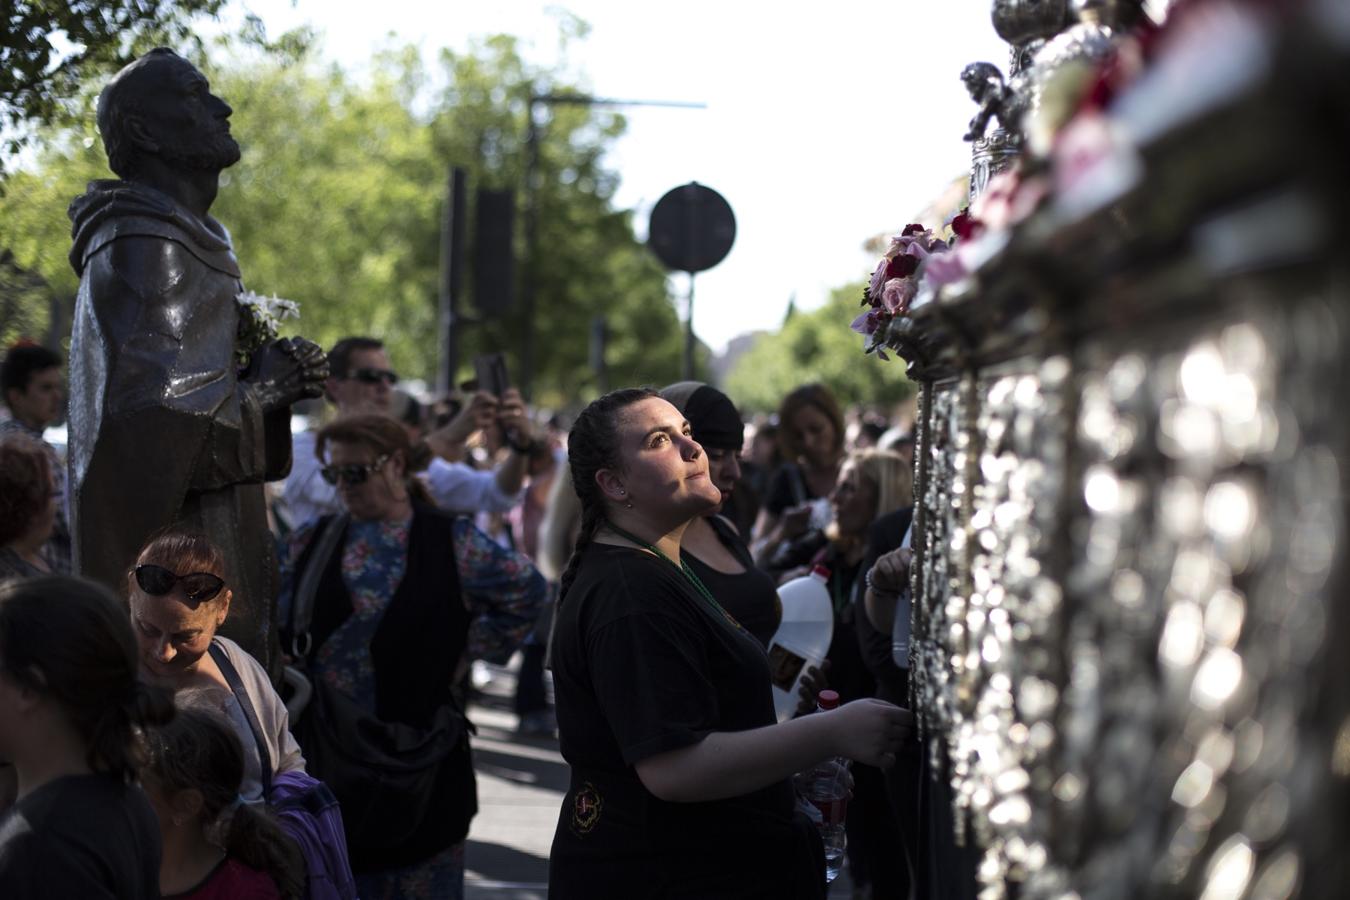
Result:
1072,149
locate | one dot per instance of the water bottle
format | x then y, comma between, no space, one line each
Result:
900,631
803,636
827,789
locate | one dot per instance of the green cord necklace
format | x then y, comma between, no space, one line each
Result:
684,567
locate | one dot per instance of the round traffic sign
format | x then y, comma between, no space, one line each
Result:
692,228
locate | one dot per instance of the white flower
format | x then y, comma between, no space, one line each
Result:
269,310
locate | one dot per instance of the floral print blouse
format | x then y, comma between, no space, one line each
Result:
502,590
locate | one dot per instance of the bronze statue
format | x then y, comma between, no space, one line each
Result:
165,427
984,82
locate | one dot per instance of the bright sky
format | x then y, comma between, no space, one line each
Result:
825,124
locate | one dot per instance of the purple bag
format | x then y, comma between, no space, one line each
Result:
304,807
307,811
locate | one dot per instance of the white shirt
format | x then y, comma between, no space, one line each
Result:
306,494
462,489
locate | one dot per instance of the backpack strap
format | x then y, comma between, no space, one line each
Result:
302,604
236,683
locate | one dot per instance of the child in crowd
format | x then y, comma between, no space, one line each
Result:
215,844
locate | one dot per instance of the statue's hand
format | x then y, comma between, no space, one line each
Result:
314,363
288,370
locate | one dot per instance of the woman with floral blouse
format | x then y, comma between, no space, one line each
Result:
405,598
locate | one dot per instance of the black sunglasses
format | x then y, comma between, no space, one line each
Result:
375,376
198,587
352,473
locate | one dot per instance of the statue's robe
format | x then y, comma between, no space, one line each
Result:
162,430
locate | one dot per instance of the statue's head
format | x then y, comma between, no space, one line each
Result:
161,107
980,78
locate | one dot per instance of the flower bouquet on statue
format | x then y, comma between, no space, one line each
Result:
260,320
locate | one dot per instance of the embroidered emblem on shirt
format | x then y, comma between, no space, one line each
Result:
586,807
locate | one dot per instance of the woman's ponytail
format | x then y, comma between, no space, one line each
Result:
200,751
254,838
592,445
70,639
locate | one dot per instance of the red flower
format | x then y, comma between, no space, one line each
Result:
902,266
966,226
912,229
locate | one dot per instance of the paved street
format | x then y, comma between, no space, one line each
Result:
521,781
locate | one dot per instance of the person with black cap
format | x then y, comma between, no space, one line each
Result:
712,546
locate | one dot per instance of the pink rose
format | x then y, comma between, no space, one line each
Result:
897,293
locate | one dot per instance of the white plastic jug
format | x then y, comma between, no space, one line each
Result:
803,637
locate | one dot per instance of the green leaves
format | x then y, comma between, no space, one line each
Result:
48,51
336,204
817,346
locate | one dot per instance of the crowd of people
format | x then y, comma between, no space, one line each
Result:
635,554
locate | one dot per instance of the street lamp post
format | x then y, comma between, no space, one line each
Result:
532,185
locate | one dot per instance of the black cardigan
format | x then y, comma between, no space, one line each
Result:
415,651
424,631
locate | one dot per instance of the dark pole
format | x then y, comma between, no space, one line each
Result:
532,179
452,267
531,250
689,333
599,338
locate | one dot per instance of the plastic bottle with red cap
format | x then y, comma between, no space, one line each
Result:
827,788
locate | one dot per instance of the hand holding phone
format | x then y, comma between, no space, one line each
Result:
490,374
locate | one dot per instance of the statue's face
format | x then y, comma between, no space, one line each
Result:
187,124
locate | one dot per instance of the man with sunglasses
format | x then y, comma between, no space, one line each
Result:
361,380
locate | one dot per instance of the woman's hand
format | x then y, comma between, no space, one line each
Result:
813,682
478,413
870,731
514,418
794,521
890,573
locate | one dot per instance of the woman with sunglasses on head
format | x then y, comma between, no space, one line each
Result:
70,708
178,599
388,601
679,771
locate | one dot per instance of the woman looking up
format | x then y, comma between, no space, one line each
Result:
70,704
679,776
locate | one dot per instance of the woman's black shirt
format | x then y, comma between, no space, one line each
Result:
81,836
751,596
642,664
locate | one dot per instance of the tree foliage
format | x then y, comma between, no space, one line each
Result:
337,204
817,346
49,50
